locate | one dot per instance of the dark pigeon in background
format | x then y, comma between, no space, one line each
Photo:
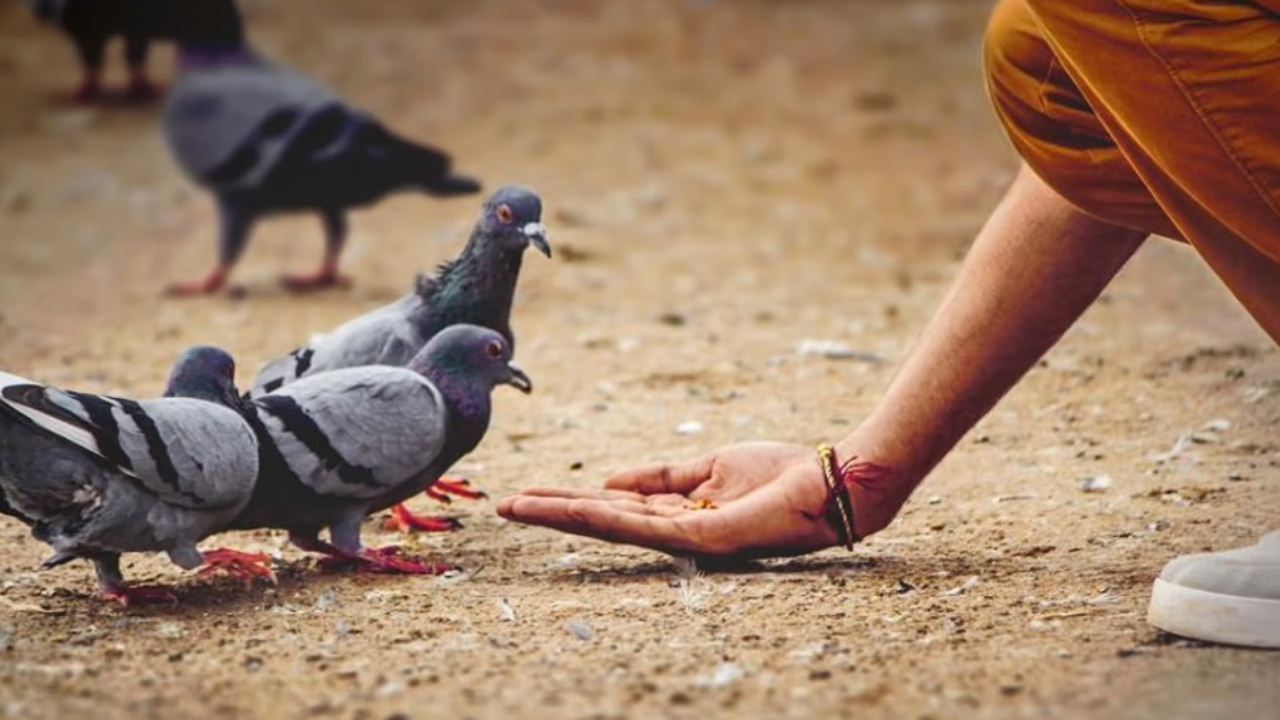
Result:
341,445
477,288
91,24
96,476
265,139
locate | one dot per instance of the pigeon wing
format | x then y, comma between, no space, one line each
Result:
358,432
229,125
189,453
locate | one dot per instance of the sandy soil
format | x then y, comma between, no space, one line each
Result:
723,181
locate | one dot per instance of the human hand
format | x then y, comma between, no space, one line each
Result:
742,501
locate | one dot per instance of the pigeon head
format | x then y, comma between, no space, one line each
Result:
513,216
204,373
470,355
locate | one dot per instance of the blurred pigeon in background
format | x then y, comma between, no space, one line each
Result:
343,444
265,139
90,24
476,288
96,476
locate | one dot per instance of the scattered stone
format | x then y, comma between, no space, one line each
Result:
1019,496
505,612
835,350
960,589
1095,484
326,600
580,629
692,427
724,674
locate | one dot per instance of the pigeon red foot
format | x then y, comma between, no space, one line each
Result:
388,560
246,566
211,283
126,595
141,89
321,280
444,487
88,92
404,520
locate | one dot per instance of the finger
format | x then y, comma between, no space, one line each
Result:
603,521
679,478
581,493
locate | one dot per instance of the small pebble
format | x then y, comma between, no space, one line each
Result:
1095,484
580,629
692,427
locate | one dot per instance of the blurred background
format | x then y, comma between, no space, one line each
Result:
755,205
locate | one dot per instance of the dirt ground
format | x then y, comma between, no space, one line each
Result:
723,181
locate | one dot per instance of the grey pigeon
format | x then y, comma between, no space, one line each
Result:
90,24
477,288
264,139
96,476
343,444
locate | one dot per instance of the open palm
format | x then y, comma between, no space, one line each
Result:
748,500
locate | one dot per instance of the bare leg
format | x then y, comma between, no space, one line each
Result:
1037,265
335,236
235,224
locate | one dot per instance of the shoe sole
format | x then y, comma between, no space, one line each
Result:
1225,619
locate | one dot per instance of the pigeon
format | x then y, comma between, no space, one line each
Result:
91,24
476,288
96,476
265,139
341,445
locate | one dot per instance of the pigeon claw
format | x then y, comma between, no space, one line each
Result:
125,595
319,281
403,520
209,284
246,566
387,560
87,92
461,487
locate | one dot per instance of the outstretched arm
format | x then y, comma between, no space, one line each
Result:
1036,266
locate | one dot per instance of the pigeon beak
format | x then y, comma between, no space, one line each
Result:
519,380
537,234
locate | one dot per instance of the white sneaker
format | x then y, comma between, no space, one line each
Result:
1230,597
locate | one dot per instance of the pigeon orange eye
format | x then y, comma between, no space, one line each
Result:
505,214
493,349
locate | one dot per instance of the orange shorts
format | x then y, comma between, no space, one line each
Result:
1160,115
